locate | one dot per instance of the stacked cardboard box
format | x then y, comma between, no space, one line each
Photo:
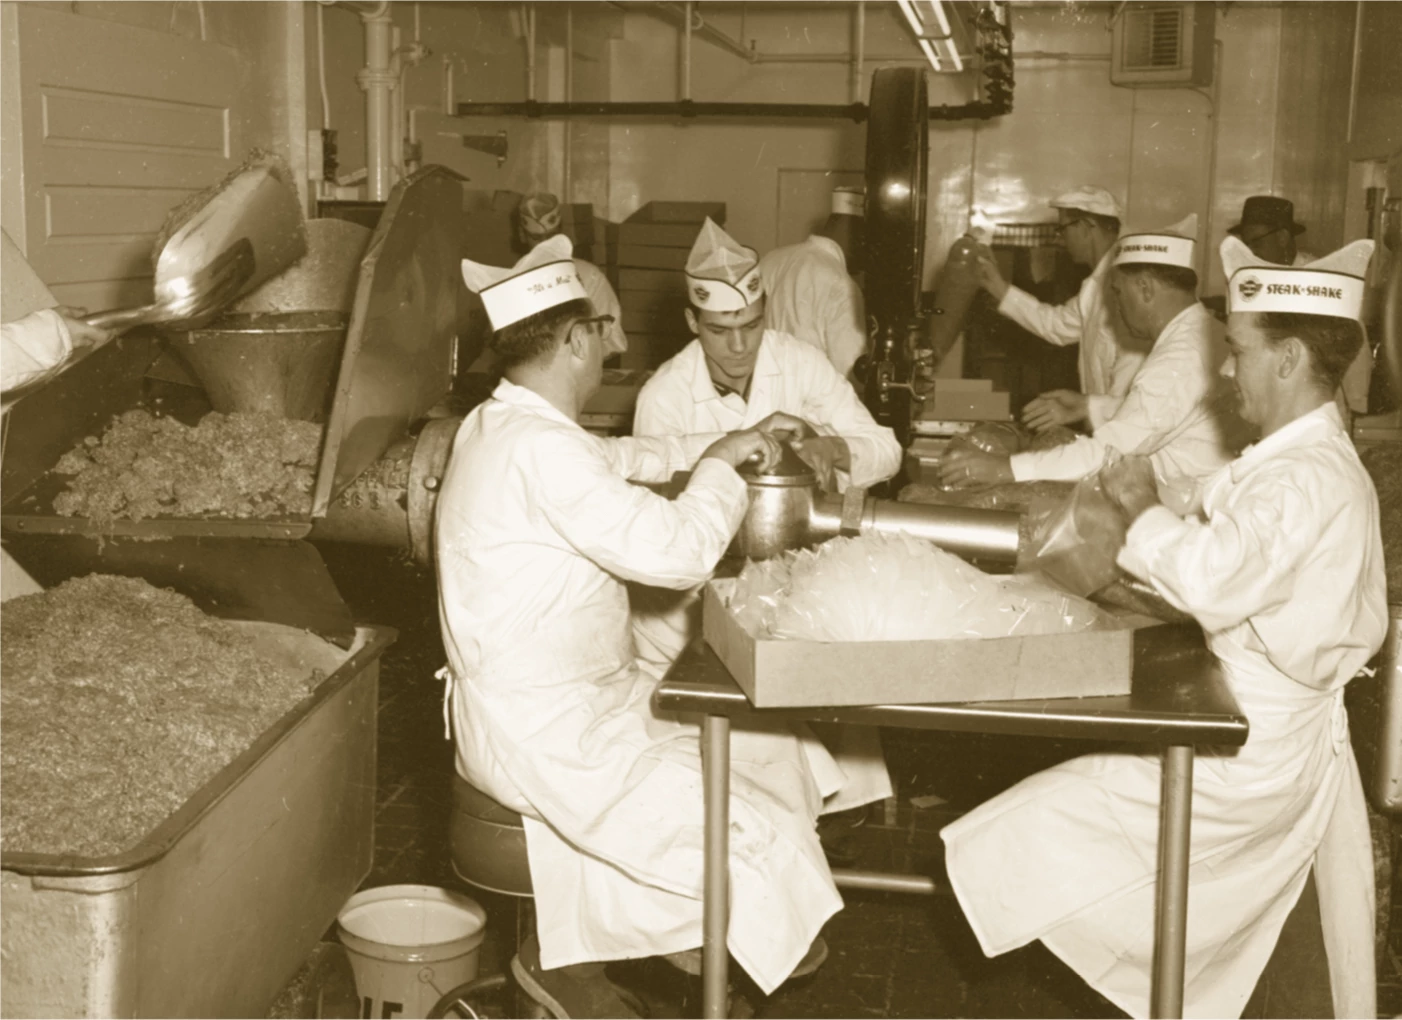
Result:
650,251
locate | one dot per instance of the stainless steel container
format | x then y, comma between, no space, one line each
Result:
216,909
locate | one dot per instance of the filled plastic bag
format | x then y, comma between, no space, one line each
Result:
1074,540
897,588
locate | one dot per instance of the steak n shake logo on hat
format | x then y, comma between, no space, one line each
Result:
545,276
1330,286
1171,246
722,275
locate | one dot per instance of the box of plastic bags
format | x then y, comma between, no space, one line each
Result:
788,667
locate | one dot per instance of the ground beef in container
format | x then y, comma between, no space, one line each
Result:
229,465
119,701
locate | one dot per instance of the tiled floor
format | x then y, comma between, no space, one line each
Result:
890,956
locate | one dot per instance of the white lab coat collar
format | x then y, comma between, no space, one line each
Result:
704,389
522,396
1321,423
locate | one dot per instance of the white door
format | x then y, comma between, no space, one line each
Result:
118,125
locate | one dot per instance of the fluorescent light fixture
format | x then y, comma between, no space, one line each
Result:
930,24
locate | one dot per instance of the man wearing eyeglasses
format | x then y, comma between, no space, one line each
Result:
1269,229
1089,225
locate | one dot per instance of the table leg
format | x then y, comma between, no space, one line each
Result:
715,960
1171,931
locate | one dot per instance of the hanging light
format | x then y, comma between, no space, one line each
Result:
930,24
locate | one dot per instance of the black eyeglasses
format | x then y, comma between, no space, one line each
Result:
602,321
1061,228
1258,238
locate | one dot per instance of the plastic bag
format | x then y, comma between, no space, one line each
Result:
1074,541
896,588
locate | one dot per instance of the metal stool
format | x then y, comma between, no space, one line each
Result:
488,843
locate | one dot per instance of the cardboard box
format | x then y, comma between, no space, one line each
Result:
680,212
662,235
965,400
669,280
645,318
778,674
649,256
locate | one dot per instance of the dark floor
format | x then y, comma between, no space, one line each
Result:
892,956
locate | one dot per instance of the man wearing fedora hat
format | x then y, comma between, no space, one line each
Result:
1269,229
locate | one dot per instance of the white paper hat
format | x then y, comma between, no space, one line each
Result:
1332,285
540,214
849,201
1171,246
722,275
544,277
1090,199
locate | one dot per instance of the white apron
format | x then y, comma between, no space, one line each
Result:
536,531
1285,575
793,377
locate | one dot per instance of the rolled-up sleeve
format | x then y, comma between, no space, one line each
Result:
831,404
632,532
1239,564
1057,324
1165,393
34,348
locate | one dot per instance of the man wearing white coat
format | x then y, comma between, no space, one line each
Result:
537,530
1284,571
1177,410
808,287
734,375
1089,224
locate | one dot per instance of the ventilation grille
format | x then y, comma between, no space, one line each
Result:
1153,39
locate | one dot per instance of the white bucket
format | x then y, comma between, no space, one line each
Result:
409,945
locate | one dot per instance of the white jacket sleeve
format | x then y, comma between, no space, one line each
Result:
1241,563
1056,324
662,411
845,328
631,531
1167,390
655,458
831,404
34,348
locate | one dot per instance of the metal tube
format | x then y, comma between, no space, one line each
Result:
685,87
859,43
854,111
882,881
715,922
530,52
711,34
566,162
1171,925
988,535
377,81
819,111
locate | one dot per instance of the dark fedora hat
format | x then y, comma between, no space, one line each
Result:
1268,211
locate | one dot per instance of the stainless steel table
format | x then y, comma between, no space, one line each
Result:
1179,700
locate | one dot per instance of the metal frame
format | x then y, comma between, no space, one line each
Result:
1180,699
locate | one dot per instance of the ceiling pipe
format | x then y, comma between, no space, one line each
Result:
859,45
705,30
377,80
530,52
686,51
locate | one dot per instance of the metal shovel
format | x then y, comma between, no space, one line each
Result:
229,239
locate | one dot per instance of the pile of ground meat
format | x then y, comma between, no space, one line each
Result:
229,465
119,701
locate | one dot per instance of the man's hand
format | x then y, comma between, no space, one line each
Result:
974,469
989,277
81,333
826,455
738,447
1055,407
1129,482
786,426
